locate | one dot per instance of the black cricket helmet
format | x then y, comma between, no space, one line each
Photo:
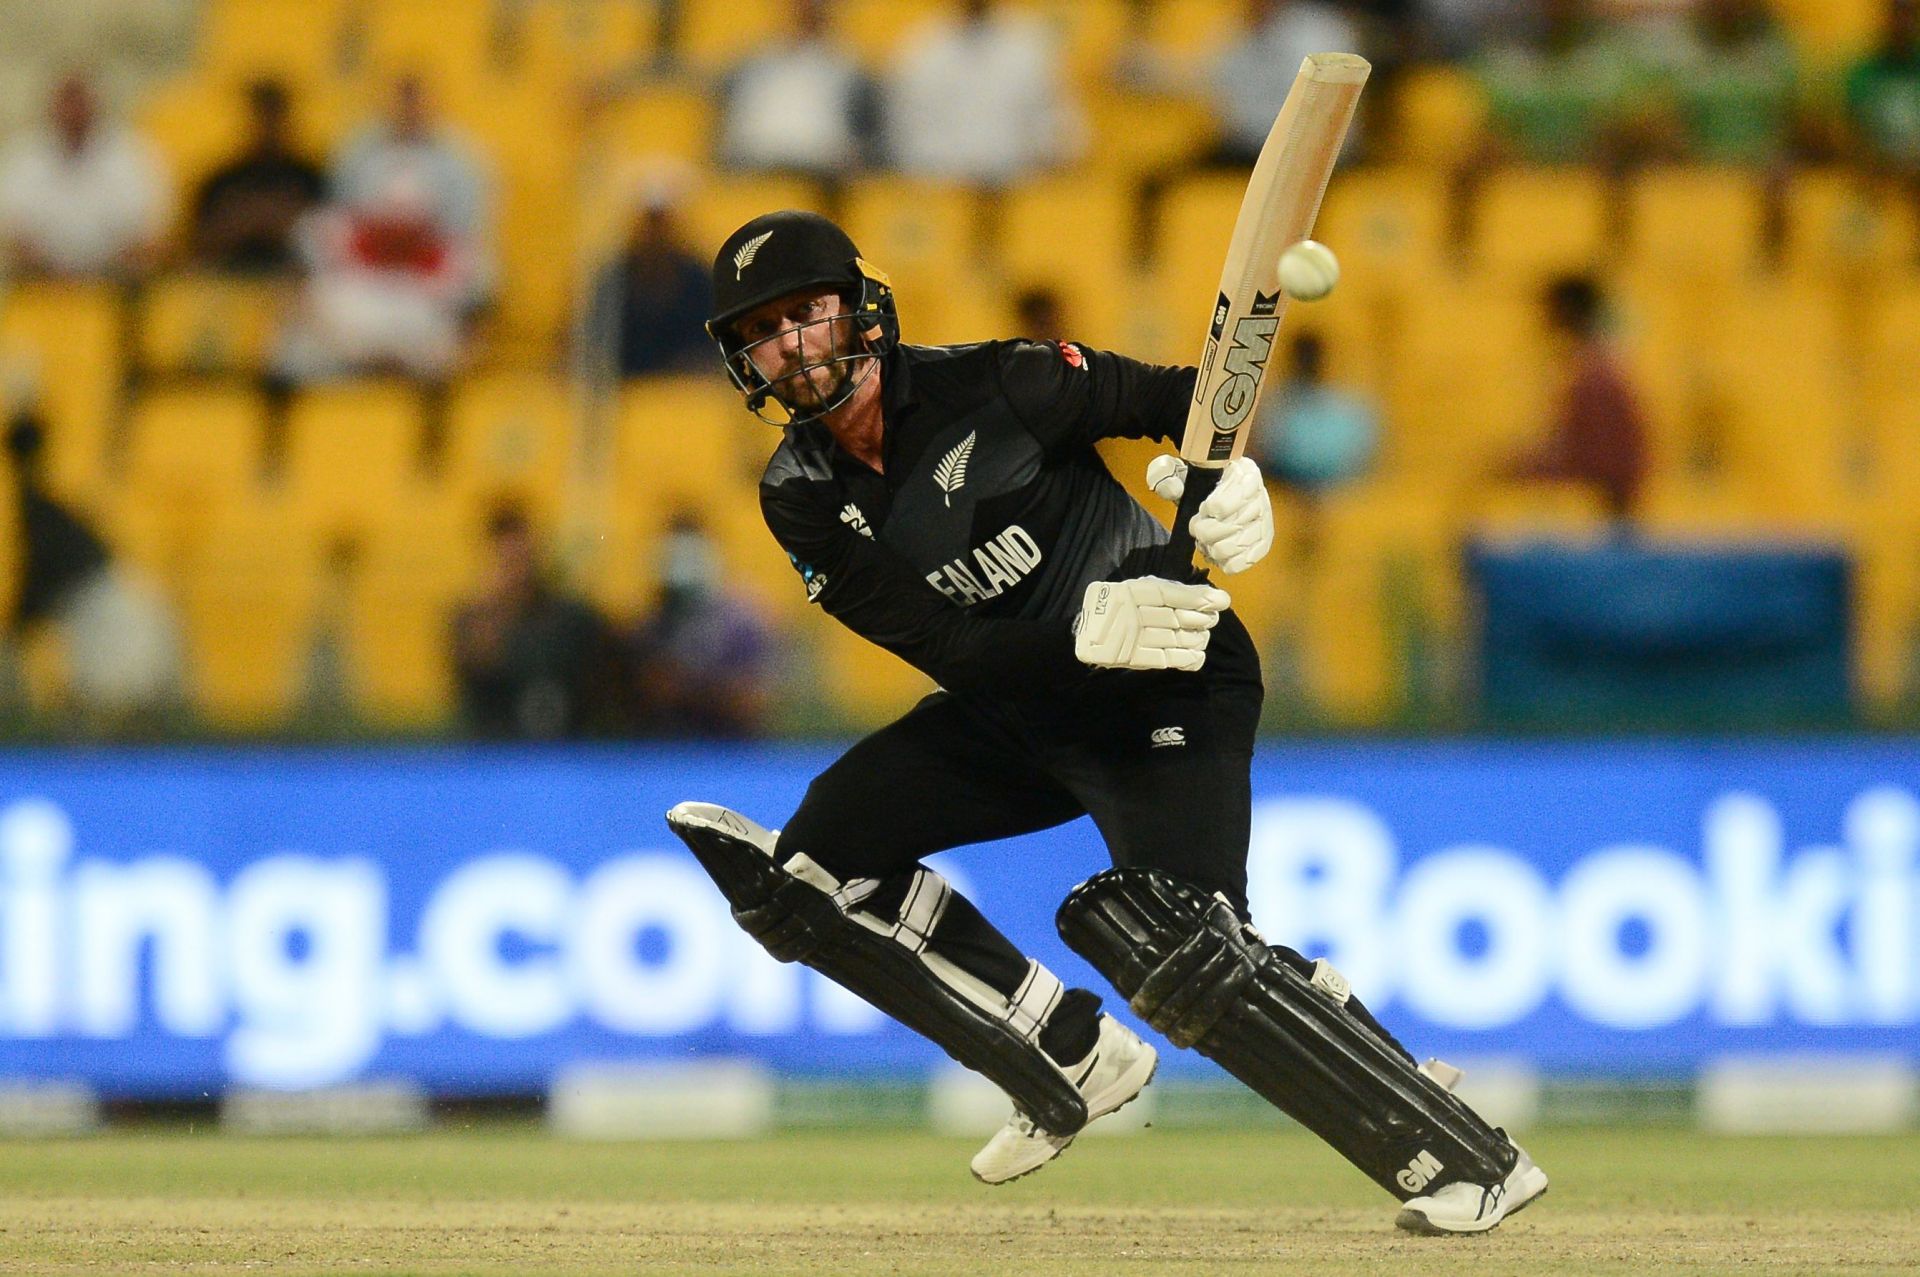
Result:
788,252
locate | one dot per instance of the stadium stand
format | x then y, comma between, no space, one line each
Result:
1777,371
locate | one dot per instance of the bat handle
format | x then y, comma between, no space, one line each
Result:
1201,480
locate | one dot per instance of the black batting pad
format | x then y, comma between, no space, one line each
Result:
881,959
1191,968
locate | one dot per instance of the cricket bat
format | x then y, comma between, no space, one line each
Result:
1282,199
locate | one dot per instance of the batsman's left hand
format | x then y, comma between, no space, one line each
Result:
1234,525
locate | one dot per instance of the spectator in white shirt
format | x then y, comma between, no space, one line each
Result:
388,291
410,149
979,100
1249,79
805,106
81,199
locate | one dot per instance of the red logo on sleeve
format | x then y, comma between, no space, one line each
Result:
1074,356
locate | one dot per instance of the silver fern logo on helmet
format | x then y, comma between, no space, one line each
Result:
748,251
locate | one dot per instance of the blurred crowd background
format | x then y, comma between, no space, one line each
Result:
354,381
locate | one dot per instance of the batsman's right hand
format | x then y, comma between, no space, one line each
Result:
1147,623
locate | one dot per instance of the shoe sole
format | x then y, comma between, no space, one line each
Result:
1153,1068
1414,1221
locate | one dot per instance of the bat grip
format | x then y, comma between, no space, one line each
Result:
1201,480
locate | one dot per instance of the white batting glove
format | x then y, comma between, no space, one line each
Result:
1234,525
1148,623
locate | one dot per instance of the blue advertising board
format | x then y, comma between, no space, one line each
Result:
173,923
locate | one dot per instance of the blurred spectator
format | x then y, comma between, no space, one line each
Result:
1455,29
1249,79
530,661
122,648
81,198
1566,95
699,662
1883,94
1729,75
1039,315
978,98
1598,434
411,148
244,215
803,106
1314,436
389,288
650,304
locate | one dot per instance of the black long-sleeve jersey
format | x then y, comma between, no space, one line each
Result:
968,558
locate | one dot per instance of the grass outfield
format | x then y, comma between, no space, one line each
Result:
501,1200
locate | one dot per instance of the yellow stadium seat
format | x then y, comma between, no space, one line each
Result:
1468,385
867,685
659,120
352,452
1385,222
1893,396
686,444
197,123
301,40
65,341
713,37
457,47
688,431
924,235
1526,511
1440,115
529,142
717,208
679,439
1886,603
1777,351
413,571
197,449
1687,222
1073,235
512,433
874,29
1532,222
1839,222
1828,29
565,44
160,538
1381,584
1133,135
1192,30
1196,221
952,309
203,324
1092,34
1690,507
247,609
906,226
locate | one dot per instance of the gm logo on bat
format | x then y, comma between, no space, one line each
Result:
1246,364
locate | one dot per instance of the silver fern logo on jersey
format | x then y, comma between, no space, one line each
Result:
951,473
748,251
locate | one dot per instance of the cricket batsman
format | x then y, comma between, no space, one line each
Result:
947,503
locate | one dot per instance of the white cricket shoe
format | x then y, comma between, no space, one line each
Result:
1474,1208
1118,1069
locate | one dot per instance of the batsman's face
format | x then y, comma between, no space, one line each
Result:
804,343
